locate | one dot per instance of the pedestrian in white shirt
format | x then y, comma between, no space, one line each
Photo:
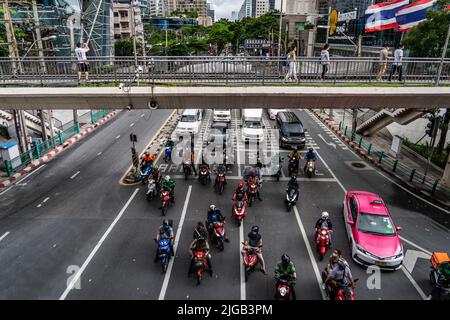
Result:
325,60
397,65
292,57
80,53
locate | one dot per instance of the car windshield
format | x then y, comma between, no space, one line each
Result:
187,118
292,129
252,124
375,224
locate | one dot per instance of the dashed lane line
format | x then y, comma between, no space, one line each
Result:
77,276
165,284
76,173
4,236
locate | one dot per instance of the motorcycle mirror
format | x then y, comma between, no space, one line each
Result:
398,228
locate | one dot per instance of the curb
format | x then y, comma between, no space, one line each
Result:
375,161
49,155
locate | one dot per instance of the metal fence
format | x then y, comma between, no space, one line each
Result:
414,176
217,70
38,149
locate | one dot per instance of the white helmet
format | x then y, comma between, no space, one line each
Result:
212,207
167,178
325,215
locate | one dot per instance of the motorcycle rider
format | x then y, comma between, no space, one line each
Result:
147,159
156,175
286,269
255,242
214,215
200,244
240,194
340,277
169,184
253,179
200,231
295,153
293,184
310,155
170,143
165,231
324,222
221,169
205,165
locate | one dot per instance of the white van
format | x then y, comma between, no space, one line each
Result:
222,115
190,122
252,127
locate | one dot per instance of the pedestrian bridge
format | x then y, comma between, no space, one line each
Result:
220,82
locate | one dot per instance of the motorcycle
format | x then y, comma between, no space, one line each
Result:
293,165
168,154
251,193
278,169
199,264
203,175
145,172
344,292
291,198
250,260
218,234
439,276
220,181
283,289
322,241
165,197
310,168
187,169
151,190
239,211
164,253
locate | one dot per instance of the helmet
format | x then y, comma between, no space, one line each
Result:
166,222
293,177
285,259
167,178
325,215
146,153
212,207
240,185
253,173
200,239
311,149
255,229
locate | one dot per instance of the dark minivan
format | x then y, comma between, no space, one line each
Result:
292,133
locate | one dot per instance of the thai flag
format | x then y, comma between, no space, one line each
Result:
381,16
410,16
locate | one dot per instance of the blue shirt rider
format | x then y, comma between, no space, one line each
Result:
215,215
310,156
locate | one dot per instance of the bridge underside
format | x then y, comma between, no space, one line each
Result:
224,97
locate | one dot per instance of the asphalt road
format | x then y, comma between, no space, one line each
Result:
91,222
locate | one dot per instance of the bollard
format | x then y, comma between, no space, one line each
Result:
38,150
345,130
60,137
381,156
353,136
92,117
360,142
8,168
395,165
77,127
433,190
369,148
340,125
412,175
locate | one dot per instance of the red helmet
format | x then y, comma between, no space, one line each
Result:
240,185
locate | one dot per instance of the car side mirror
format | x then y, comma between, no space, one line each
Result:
398,228
263,127
305,130
351,223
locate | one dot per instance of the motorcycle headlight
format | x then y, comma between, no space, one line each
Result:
283,291
284,139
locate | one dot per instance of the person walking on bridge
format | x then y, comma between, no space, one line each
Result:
383,61
397,65
292,72
80,53
325,60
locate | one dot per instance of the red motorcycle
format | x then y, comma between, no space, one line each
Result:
341,295
218,234
199,264
283,290
203,174
220,182
322,241
165,198
239,211
250,260
251,192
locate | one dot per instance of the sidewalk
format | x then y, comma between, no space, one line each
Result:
381,155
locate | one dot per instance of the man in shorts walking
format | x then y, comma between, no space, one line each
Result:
80,53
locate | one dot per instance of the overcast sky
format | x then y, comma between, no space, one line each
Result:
224,7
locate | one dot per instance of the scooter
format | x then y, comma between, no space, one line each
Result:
283,289
344,293
165,197
293,165
322,241
199,265
250,260
291,198
164,253
203,175
151,190
310,169
439,276
187,169
145,172
218,234
220,181
251,193
239,211
168,154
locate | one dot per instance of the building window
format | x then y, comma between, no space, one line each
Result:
125,25
116,26
116,14
123,14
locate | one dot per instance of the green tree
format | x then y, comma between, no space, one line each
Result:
124,47
220,34
427,39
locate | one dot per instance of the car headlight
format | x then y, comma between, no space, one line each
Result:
359,248
303,139
284,139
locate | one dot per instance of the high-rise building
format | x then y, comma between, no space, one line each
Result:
300,6
246,9
261,8
123,20
210,12
192,5
234,15
271,5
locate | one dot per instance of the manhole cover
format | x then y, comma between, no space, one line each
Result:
358,165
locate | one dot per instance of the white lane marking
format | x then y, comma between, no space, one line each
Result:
31,173
118,137
46,199
39,205
76,173
392,181
415,245
77,276
5,191
241,261
414,283
331,144
410,259
310,253
98,154
165,284
131,125
4,236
